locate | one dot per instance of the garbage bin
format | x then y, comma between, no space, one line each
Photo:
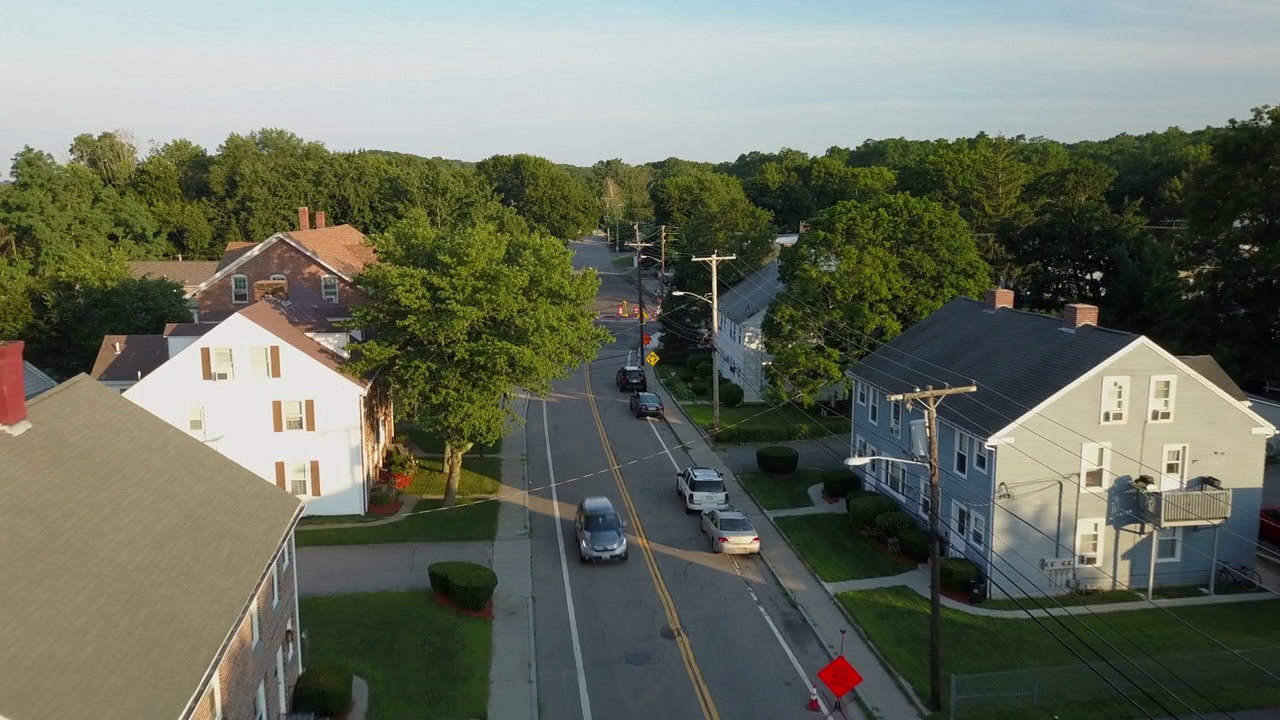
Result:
977,591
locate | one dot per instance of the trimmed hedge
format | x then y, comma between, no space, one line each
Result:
470,585
856,495
957,573
777,460
695,361
864,511
324,690
699,388
914,543
890,525
839,486
731,394
686,374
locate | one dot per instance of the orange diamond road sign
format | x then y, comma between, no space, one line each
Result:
839,677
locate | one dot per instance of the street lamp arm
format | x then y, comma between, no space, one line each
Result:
859,460
682,293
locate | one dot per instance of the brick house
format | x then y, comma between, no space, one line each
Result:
323,259
166,589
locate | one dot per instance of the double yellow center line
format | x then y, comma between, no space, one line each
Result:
668,605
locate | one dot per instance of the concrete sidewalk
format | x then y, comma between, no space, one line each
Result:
882,690
513,689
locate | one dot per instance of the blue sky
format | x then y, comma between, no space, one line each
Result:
582,81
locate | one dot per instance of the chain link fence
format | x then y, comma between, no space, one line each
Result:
1099,690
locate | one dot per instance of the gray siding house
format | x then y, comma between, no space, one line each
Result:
1082,450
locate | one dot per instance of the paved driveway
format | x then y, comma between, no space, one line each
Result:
375,568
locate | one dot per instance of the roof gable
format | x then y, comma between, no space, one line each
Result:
273,315
1023,358
156,560
342,244
123,358
34,381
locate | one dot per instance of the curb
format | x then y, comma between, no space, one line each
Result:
900,681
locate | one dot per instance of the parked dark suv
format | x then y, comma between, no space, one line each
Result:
631,377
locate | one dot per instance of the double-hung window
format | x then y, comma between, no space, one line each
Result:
981,455
223,366
895,418
300,479
1164,388
873,467
1168,544
1174,467
1115,400
329,288
873,408
862,392
1089,533
897,479
239,289
962,454
1095,466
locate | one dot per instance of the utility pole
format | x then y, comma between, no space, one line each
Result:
714,260
662,262
930,398
640,282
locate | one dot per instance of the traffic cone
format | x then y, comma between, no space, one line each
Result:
813,700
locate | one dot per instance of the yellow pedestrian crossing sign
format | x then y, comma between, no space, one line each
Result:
652,358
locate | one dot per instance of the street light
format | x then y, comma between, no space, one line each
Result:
713,301
935,541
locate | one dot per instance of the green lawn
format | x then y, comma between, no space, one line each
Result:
320,520
828,544
480,476
896,620
762,423
625,261
469,520
779,492
421,660
429,443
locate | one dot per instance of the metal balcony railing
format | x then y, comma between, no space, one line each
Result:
1185,508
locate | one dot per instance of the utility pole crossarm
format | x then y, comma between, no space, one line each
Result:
929,392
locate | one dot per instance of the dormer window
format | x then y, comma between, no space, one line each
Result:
329,289
239,289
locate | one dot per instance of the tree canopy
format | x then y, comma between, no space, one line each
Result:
462,315
543,193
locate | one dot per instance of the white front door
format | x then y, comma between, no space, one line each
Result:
958,527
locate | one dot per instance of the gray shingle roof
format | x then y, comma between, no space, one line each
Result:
1209,369
1016,358
187,273
751,295
34,381
124,358
131,551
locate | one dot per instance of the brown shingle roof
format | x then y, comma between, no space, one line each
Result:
341,246
185,272
134,354
232,253
270,315
116,603
1209,369
186,329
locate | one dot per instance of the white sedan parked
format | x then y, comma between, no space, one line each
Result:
730,532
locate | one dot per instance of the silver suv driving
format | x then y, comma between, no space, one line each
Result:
599,531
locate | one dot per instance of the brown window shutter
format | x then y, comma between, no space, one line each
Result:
315,478
280,475
277,415
311,415
206,363
275,361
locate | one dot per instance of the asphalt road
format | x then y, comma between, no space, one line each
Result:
609,646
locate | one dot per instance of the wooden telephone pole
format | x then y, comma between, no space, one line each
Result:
930,399
714,261
640,282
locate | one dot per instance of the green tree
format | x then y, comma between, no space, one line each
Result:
545,194
1232,208
112,156
864,270
463,316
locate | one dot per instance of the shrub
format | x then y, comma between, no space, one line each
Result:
957,573
890,525
686,374
695,361
856,495
731,395
839,485
380,497
914,543
777,460
324,690
864,511
468,584
699,388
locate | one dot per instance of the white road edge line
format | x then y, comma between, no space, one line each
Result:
564,570
528,536
754,598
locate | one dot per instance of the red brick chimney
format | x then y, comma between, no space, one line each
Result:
319,219
13,398
1078,315
999,298
304,219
